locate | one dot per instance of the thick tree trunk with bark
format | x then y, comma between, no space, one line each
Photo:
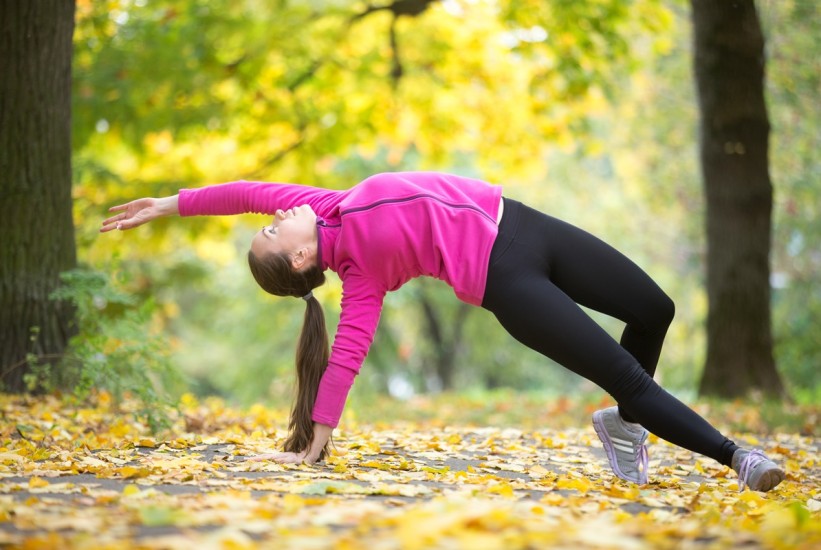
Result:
729,70
35,181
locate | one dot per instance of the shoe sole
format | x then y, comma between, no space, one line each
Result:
601,431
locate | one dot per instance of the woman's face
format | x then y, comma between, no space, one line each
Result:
290,231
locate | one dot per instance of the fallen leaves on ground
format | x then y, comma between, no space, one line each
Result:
83,477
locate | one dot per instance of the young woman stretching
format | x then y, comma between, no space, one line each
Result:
529,269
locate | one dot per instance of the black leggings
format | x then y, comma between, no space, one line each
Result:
541,268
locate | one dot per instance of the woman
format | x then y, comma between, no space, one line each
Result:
530,270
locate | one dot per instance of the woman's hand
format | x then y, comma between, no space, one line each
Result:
321,435
138,212
285,458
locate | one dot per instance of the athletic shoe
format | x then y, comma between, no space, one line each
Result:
756,471
624,445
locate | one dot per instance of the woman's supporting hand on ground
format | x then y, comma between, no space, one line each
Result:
321,435
140,211
284,458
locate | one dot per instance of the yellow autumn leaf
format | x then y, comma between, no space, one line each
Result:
129,472
375,464
131,490
580,484
10,457
538,471
37,483
503,489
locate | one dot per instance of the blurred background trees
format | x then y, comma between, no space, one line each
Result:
584,109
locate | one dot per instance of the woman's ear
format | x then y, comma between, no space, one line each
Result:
304,258
299,259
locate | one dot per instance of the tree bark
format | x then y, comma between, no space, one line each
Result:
729,71
35,181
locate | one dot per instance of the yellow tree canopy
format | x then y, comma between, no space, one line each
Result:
185,93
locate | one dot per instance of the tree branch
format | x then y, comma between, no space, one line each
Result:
396,67
411,8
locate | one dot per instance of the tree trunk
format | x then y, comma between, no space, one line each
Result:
35,181
446,343
729,71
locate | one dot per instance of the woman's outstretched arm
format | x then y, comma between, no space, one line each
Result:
246,197
225,199
140,211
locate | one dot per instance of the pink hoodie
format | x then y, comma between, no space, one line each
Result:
376,236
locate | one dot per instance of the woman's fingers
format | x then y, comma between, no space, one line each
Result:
114,219
115,222
282,458
276,457
117,225
260,458
120,221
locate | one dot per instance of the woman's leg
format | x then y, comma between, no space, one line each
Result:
539,271
597,276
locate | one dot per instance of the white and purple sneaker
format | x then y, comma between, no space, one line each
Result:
756,471
624,444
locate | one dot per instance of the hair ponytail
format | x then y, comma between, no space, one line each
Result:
275,275
311,361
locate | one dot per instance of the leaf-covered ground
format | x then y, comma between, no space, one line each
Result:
91,477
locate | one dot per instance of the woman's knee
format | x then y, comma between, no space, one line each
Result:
666,310
658,314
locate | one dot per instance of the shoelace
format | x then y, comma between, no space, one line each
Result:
643,462
748,465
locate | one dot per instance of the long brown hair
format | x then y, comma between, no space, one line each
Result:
274,273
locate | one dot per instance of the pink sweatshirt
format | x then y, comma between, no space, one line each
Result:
376,236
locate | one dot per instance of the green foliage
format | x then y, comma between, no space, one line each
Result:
584,109
116,347
182,85
287,90
653,134
793,31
